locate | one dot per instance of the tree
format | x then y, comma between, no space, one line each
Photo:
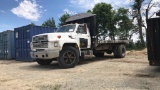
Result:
124,24
112,23
137,7
49,23
63,19
150,5
33,24
89,11
104,20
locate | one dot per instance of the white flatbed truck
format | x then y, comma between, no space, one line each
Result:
73,41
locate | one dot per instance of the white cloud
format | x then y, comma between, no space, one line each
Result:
89,4
2,11
67,11
28,9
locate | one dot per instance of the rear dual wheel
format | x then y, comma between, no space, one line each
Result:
120,51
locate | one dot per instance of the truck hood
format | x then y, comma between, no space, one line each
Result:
58,36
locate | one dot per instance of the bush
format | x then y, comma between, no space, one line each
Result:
135,46
131,46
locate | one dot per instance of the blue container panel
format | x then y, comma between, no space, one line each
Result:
23,37
1,52
1,46
7,45
1,39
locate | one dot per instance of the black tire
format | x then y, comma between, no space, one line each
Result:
121,51
99,54
43,62
115,52
69,57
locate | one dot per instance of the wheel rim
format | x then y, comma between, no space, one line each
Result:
69,57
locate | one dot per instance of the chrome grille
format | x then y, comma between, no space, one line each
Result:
40,38
40,44
40,41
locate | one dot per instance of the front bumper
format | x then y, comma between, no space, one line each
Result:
45,54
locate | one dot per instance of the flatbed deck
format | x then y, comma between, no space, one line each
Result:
113,41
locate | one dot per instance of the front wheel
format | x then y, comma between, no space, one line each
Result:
43,62
69,57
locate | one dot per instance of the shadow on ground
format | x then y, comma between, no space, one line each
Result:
36,67
146,78
55,65
95,59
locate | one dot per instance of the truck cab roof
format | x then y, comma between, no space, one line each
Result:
79,16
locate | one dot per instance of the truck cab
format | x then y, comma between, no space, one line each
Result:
48,46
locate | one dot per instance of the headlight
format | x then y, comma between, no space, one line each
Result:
55,44
33,49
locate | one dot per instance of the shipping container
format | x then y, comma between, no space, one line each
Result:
153,41
1,46
23,37
7,48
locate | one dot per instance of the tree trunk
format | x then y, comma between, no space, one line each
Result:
140,27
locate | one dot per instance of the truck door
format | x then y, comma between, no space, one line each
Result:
83,36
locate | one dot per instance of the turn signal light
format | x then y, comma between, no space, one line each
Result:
59,37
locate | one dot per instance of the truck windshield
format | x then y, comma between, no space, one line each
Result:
68,28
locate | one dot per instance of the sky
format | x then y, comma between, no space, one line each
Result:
17,13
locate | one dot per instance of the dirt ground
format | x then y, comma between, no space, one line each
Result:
107,73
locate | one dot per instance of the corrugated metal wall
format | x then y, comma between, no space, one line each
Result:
1,46
23,37
153,41
7,48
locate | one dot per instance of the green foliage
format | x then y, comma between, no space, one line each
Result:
104,14
111,23
33,24
137,4
89,11
63,19
50,23
125,25
131,46
135,46
140,45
